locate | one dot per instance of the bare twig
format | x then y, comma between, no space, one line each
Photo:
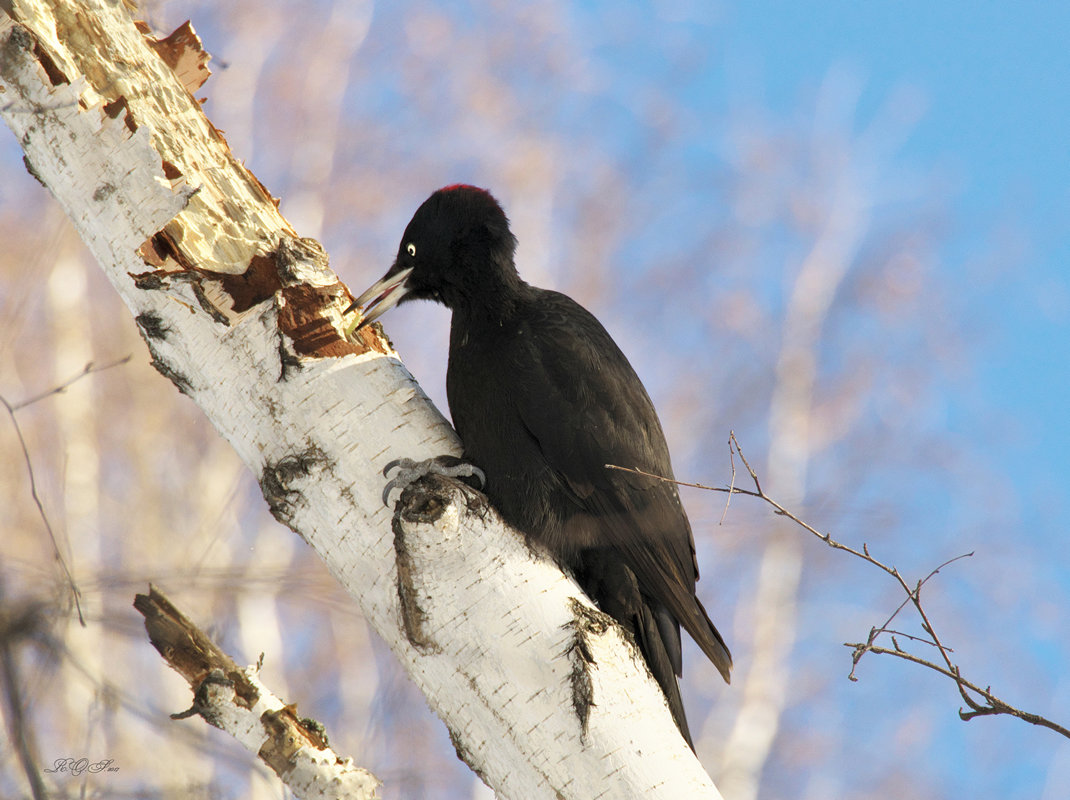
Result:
88,369
989,704
732,483
994,704
11,409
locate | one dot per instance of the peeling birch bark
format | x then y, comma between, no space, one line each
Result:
542,695
235,700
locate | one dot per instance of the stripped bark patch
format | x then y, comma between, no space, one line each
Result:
183,52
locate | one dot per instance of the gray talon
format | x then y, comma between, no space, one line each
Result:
404,463
476,472
409,470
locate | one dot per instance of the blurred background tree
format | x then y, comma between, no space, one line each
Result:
793,230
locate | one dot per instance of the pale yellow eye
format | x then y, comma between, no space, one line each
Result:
410,248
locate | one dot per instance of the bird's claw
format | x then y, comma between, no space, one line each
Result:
410,470
404,463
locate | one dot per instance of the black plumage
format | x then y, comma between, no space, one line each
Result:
543,399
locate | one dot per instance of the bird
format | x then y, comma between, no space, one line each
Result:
543,401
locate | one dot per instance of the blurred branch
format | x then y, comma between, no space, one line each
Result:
88,369
11,409
20,623
75,593
234,700
988,704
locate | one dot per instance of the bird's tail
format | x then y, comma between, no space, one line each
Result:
656,647
706,635
613,586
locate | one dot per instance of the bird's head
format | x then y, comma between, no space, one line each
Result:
457,250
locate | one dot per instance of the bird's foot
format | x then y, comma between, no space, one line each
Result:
409,470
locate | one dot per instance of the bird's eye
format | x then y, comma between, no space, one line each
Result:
410,248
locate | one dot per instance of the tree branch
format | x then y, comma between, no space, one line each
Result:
21,623
991,704
234,700
11,408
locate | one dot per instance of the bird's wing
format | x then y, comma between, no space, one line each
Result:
584,405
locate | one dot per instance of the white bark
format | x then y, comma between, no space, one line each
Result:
507,650
264,729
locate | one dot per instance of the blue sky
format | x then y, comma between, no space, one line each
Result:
996,78
996,81
994,74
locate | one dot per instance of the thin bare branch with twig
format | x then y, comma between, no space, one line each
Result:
88,369
988,704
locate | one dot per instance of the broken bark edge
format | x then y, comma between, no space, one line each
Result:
234,700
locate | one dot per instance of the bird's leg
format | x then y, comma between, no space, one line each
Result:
409,471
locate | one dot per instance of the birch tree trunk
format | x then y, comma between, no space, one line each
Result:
541,693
